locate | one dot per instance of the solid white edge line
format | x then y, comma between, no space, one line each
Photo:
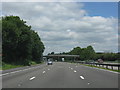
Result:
4,74
18,71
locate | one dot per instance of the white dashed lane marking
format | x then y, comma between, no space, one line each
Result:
75,71
88,83
82,77
43,71
32,78
19,85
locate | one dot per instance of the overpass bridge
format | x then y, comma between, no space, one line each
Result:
58,57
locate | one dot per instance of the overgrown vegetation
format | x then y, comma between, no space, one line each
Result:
20,44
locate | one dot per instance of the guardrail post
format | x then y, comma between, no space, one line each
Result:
99,65
90,64
112,67
103,66
107,66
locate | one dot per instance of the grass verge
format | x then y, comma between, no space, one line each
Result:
10,66
6,66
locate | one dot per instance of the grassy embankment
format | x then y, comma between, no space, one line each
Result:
6,66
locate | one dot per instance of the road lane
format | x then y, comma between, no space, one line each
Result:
98,78
60,75
13,79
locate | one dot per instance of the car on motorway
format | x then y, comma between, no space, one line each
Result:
100,61
55,60
49,63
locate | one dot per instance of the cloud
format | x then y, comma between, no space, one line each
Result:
65,25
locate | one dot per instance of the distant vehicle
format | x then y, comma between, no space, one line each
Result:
49,63
100,61
63,59
55,60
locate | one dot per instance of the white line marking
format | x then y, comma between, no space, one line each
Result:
19,85
82,77
32,78
43,71
75,71
48,69
4,74
18,71
88,83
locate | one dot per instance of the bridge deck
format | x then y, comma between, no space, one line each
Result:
61,56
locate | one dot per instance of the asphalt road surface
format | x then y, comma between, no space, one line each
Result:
59,75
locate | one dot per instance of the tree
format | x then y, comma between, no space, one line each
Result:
0,36
84,53
90,52
20,43
52,53
75,51
37,47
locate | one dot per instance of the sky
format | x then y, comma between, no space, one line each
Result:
106,9
65,25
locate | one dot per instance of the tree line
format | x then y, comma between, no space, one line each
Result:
20,44
89,53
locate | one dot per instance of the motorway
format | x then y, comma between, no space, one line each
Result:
59,75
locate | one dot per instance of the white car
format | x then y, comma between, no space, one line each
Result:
49,63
